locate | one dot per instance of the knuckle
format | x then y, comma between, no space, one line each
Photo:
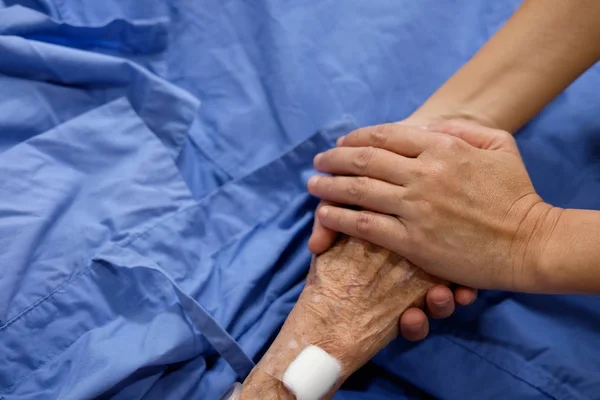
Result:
363,158
358,188
448,143
452,126
364,223
419,171
379,134
428,170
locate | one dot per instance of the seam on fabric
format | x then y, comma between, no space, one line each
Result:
225,244
173,286
131,238
546,391
60,8
58,352
197,203
187,114
553,388
50,297
224,158
210,159
167,158
37,303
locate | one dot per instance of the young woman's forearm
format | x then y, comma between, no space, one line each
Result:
542,48
569,257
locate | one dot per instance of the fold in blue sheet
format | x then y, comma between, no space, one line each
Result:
153,214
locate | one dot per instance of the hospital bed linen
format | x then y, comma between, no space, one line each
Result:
153,214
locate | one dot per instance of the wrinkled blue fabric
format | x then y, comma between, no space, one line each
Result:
153,213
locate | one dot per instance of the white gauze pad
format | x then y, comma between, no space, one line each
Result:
312,374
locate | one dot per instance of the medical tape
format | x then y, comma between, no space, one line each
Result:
306,370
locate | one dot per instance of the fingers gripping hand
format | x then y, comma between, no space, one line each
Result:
457,202
440,303
322,238
413,324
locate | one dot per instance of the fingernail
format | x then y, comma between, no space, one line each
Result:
442,302
414,328
340,141
317,158
312,181
323,212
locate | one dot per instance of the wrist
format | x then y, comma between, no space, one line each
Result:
324,314
312,321
430,114
542,244
570,253
354,294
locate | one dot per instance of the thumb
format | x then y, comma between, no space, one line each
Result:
475,134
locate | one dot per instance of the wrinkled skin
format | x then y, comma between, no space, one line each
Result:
354,295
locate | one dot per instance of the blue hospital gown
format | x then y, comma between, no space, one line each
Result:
153,211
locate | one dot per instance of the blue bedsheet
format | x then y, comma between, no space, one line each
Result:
153,214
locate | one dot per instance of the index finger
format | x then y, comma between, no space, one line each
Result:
400,139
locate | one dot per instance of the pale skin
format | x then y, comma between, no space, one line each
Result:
550,250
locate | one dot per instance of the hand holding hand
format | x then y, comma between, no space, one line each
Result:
455,200
440,301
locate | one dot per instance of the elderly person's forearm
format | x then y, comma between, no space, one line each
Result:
350,306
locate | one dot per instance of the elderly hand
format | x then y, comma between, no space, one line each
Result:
413,323
354,294
455,200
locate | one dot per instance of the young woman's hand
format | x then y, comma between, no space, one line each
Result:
455,200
